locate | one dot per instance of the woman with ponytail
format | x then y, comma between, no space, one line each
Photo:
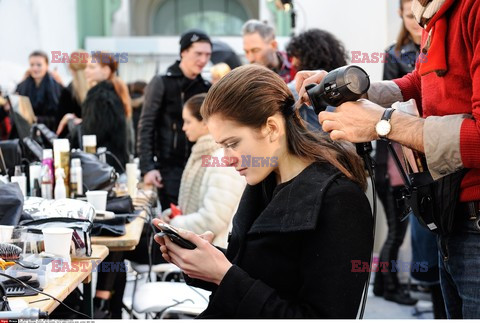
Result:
72,96
303,229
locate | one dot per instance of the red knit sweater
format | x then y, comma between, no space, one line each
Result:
458,91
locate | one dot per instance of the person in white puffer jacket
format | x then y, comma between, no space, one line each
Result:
210,190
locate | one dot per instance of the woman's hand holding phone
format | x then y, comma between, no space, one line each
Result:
205,262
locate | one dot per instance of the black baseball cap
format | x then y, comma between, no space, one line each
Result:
192,36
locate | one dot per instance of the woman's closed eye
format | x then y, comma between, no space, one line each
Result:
232,145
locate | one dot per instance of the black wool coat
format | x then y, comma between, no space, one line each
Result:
103,115
292,247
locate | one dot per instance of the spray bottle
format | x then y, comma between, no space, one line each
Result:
60,190
47,183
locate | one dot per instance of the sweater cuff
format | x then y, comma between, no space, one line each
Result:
441,140
408,90
238,293
384,93
470,143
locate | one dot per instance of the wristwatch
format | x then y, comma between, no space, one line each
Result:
383,127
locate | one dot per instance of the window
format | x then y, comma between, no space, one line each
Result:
215,17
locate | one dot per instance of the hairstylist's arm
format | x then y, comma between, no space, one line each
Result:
355,121
205,262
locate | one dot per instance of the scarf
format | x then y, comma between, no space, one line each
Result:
44,98
430,14
188,197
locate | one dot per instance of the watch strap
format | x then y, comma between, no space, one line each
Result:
387,114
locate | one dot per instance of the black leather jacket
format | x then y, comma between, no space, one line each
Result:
398,64
160,126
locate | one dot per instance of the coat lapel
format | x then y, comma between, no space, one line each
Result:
288,207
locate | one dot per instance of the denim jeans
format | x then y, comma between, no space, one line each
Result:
459,260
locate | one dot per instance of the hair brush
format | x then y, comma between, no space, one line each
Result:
10,255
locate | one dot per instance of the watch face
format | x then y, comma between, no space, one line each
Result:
383,128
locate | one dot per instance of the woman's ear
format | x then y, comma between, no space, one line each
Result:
272,127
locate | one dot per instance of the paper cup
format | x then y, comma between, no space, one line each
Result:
6,233
58,241
98,199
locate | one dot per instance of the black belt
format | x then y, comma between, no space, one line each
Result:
473,209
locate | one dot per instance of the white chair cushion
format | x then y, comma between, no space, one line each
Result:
155,297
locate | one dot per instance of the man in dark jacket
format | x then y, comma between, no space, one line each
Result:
160,132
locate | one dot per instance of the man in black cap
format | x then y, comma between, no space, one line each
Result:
162,145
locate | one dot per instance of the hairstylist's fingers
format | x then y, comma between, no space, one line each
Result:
314,78
325,115
337,135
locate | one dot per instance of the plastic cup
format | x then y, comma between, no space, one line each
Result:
6,233
98,199
58,241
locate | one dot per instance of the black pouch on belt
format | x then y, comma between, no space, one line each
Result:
434,202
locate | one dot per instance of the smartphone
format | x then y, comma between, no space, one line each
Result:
172,234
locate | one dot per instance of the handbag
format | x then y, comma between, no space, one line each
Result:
432,202
97,175
42,135
11,204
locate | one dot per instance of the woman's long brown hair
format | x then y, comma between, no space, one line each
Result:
250,94
79,81
403,35
108,59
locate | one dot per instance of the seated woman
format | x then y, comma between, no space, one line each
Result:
208,196
42,90
106,111
303,220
